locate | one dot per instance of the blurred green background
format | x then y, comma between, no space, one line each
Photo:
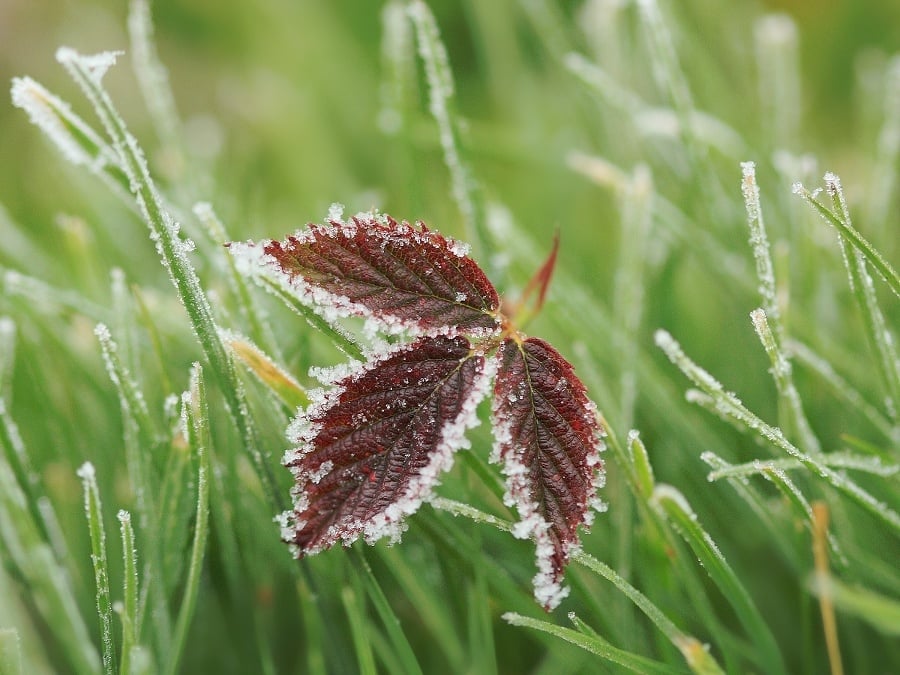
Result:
286,94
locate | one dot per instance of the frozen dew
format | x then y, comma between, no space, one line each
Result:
285,522
329,375
55,118
458,248
320,473
335,213
185,406
86,472
95,65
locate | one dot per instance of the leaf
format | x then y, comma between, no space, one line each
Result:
401,276
371,450
548,438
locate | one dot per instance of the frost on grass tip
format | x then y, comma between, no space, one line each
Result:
372,444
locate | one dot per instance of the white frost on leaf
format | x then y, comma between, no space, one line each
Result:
453,438
253,262
335,213
548,589
390,523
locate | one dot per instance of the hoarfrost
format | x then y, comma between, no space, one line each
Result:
86,472
320,473
95,65
335,213
329,375
54,116
459,249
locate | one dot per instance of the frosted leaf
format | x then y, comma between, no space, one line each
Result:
548,438
372,450
398,276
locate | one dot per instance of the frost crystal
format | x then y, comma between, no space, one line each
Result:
55,118
335,212
95,64
86,472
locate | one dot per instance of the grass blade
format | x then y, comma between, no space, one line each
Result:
850,234
338,337
879,611
173,251
790,408
260,331
633,662
430,608
362,643
74,138
729,406
94,513
672,505
10,652
196,428
34,562
128,610
780,91
686,644
826,606
7,355
789,398
276,379
402,649
841,388
153,79
440,93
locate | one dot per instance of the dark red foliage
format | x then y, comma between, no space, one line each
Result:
548,438
375,445
392,270
381,443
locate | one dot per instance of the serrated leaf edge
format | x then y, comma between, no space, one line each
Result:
391,522
547,583
252,260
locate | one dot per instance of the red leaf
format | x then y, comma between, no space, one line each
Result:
373,448
548,438
400,275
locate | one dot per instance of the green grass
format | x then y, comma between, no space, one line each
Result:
743,322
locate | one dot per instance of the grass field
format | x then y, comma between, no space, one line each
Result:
723,178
